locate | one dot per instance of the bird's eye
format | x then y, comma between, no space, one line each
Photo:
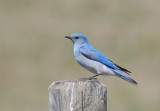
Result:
77,37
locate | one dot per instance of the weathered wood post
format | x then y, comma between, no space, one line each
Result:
77,95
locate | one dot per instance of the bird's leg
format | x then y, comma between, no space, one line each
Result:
93,76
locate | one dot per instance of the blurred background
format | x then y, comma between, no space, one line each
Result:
34,52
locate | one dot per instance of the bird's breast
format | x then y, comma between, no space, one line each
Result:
86,63
93,66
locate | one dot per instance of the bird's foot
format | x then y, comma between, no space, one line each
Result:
85,79
90,78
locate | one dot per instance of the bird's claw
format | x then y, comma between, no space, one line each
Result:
90,78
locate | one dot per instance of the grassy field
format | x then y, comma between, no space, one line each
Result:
34,52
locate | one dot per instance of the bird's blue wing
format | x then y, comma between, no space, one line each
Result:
93,54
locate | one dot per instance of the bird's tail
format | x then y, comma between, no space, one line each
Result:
125,77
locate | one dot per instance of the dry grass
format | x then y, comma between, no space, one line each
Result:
34,53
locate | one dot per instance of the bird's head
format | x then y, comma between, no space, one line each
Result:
77,38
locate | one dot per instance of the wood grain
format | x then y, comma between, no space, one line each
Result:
77,95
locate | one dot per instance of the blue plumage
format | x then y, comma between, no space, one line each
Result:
93,54
94,61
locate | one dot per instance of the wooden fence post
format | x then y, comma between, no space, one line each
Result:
77,95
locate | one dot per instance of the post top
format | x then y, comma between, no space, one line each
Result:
78,82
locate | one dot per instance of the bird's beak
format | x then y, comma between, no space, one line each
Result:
69,37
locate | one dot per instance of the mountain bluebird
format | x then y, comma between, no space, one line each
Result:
94,61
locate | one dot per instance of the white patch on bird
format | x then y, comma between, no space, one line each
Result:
94,66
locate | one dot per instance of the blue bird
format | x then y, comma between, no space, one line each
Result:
94,61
